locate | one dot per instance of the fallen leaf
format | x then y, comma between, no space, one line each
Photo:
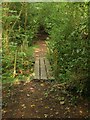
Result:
51,109
46,115
67,108
80,112
31,88
28,95
21,90
22,115
23,105
57,113
33,105
4,111
62,102
42,84
36,111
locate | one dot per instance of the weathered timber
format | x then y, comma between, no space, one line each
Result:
36,69
48,70
43,70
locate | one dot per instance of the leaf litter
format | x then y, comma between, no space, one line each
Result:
40,100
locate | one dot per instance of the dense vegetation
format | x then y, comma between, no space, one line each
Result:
67,41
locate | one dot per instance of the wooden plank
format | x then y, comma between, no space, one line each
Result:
43,70
49,70
36,69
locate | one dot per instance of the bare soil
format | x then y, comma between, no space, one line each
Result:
41,50
41,99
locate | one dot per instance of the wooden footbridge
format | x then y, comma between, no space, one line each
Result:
42,69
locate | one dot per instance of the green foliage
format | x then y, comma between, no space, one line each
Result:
24,63
68,44
67,26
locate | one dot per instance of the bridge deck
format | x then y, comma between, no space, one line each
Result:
42,69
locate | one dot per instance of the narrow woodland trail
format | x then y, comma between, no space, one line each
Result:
32,88
41,51
41,98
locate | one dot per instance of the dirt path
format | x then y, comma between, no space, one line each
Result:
41,51
41,99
